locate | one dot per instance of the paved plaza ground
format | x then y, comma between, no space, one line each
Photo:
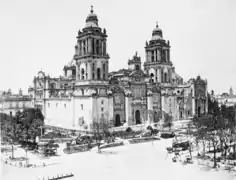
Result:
137,161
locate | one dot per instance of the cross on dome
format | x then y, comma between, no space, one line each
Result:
91,9
157,24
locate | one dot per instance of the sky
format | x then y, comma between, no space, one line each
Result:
37,35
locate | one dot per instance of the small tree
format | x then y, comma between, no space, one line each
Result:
168,121
96,132
214,140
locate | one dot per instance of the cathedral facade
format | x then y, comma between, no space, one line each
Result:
88,92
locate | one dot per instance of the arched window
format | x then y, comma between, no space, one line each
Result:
164,55
93,66
84,46
82,92
152,77
98,73
162,76
73,72
97,47
137,67
165,77
93,76
168,55
82,73
152,56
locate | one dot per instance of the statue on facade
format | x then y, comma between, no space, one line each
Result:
149,92
128,92
109,92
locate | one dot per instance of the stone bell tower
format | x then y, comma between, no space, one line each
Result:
91,53
158,64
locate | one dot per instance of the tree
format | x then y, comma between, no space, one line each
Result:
214,140
168,121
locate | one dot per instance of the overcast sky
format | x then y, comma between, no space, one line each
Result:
42,34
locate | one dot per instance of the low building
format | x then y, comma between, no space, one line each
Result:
227,99
11,103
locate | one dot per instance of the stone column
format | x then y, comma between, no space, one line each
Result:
128,110
94,47
146,55
128,107
150,107
89,46
162,105
101,71
89,71
77,72
104,47
102,44
82,48
155,55
107,70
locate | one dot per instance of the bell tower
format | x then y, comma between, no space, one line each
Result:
158,64
92,60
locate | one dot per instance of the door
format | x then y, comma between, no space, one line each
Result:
137,117
117,122
199,111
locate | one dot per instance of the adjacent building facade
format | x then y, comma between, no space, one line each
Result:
227,99
11,103
88,92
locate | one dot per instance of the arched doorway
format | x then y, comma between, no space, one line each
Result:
137,117
117,122
199,111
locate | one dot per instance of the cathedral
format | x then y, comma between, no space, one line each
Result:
88,92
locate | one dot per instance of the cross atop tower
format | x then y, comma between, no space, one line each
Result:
157,24
91,9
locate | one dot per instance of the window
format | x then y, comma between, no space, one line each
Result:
165,77
102,102
56,104
48,105
93,75
65,105
97,47
93,66
137,67
152,56
82,73
104,76
164,55
98,73
102,109
74,72
104,67
82,107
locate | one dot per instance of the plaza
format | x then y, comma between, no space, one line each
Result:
138,161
